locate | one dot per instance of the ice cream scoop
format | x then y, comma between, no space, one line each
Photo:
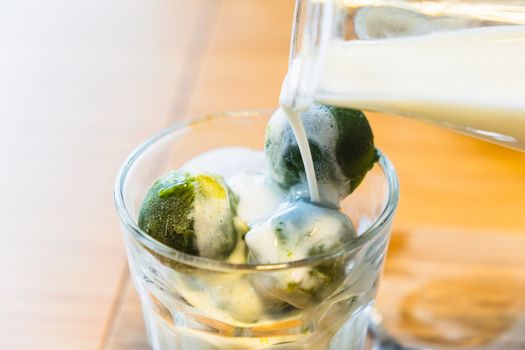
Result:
342,147
191,212
299,231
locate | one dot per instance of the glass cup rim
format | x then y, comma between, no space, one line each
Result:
144,239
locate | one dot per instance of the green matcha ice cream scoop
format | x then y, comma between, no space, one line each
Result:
192,213
342,147
299,231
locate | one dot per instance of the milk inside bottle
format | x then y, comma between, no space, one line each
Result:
461,67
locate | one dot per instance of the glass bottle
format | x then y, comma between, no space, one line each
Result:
458,64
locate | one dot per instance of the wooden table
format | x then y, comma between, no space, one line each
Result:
82,83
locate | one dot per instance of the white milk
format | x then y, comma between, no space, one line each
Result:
304,148
471,80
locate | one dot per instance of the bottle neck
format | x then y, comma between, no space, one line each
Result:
312,31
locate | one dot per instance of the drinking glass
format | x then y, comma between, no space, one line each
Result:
191,302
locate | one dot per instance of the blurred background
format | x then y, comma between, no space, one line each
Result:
82,83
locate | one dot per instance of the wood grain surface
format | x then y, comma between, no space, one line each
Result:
82,83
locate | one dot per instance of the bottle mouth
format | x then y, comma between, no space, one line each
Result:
312,30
